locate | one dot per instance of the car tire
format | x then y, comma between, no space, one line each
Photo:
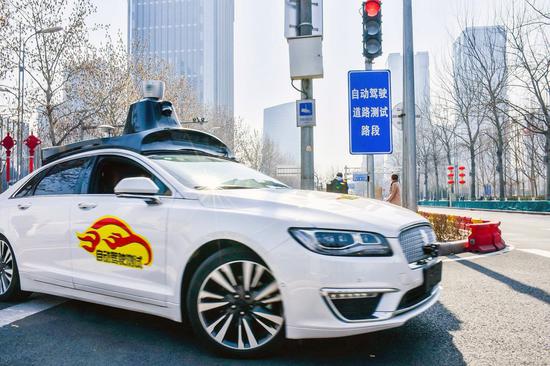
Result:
235,305
10,289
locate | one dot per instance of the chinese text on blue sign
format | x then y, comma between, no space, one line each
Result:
370,112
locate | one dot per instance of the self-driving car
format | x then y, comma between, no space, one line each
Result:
163,220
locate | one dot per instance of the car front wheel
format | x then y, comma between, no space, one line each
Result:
9,276
235,305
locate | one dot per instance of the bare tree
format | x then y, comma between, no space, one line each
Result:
462,95
484,55
4,50
423,151
51,59
529,48
254,151
445,128
541,14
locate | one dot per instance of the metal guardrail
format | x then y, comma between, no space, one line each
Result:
530,206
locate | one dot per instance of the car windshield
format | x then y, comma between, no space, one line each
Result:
208,172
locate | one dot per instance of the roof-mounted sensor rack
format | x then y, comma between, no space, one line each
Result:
152,126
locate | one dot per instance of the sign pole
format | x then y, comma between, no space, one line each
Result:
410,189
305,28
370,157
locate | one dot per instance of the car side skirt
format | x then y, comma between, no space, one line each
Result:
169,310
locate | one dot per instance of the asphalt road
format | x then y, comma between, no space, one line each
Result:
494,310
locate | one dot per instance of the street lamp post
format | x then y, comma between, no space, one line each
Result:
21,94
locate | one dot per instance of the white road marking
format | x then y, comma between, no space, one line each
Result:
508,248
543,253
31,307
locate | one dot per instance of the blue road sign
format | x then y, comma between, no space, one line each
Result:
360,177
370,112
305,112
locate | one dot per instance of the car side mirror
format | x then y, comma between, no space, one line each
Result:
138,187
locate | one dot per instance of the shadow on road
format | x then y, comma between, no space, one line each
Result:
425,340
82,333
535,292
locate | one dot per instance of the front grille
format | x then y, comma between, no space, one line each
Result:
412,241
356,309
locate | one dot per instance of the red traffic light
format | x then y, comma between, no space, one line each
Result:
372,7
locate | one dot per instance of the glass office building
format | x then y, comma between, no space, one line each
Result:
194,36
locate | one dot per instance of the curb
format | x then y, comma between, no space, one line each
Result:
452,247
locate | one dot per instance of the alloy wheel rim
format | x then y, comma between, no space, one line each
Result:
6,267
240,305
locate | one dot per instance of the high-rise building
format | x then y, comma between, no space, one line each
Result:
421,78
194,36
280,129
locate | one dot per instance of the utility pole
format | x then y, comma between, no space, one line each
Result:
369,158
20,93
305,28
409,191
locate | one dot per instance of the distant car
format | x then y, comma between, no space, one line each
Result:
177,229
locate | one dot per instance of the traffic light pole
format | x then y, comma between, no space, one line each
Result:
409,191
370,157
305,28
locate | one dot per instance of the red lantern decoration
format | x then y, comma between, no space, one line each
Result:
462,175
461,167
450,175
32,142
8,144
450,167
462,181
450,181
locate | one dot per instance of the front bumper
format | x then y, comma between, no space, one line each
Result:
306,278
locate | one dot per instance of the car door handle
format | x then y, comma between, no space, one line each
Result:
23,206
86,205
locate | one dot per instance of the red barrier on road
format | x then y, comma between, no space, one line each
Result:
485,237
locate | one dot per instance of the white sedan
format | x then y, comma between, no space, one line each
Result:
206,241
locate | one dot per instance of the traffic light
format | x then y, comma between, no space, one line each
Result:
372,28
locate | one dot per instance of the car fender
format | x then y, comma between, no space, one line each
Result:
191,228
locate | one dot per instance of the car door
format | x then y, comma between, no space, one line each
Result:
118,244
40,217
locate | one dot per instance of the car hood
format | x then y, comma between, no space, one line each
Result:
315,209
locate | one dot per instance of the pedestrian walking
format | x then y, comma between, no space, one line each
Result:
395,191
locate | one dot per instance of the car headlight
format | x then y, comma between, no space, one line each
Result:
342,243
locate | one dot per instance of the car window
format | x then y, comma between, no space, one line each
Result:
110,170
64,178
28,189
